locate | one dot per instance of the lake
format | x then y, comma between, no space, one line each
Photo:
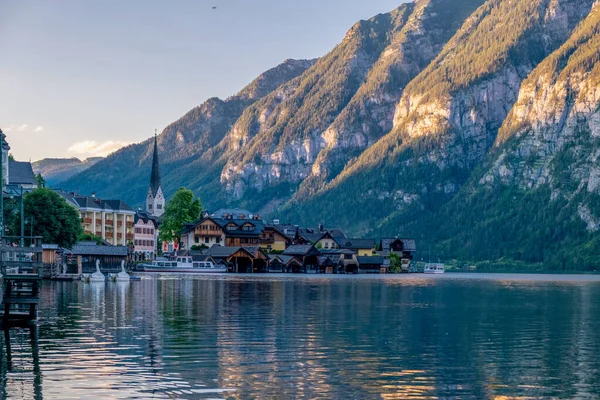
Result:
313,337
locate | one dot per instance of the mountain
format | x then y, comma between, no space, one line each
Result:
471,125
56,170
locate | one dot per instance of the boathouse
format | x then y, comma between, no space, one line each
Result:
82,257
240,259
307,255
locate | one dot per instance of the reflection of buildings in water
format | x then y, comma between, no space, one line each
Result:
21,376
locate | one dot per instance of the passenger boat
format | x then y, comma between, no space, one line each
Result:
184,265
434,269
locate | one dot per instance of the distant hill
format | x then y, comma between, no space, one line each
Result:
56,170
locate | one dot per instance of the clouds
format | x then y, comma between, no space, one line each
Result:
23,128
91,148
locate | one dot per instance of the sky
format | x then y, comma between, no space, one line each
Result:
81,78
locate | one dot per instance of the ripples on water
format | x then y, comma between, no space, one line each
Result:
330,338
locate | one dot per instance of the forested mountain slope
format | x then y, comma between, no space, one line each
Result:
471,125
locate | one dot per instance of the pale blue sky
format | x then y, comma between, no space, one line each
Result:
110,71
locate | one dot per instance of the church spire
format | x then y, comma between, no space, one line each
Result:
155,182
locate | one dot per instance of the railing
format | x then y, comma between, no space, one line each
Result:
99,233
129,236
130,224
267,240
119,236
109,222
87,220
98,221
119,223
109,234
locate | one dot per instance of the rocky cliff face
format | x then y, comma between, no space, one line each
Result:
551,137
463,123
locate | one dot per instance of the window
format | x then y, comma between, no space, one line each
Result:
231,227
207,240
149,206
196,240
218,240
159,206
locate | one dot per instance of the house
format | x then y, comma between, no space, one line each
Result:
233,213
15,173
273,239
206,232
345,259
308,256
82,257
405,248
111,220
21,174
230,232
370,264
362,247
327,241
327,265
145,235
240,259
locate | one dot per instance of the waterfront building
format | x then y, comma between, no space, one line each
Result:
111,220
363,247
240,259
228,231
273,239
145,235
155,199
308,256
82,257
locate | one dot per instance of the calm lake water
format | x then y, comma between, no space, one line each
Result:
274,337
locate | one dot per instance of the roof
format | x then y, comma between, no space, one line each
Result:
155,181
365,260
49,247
217,251
145,217
325,260
300,250
279,231
92,202
357,243
409,244
258,224
235,212
202,258
336,251
21,173
92,249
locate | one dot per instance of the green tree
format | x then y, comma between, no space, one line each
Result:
53,218
41,182
395,263
181,209
88,237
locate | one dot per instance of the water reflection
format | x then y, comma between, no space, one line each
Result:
350,338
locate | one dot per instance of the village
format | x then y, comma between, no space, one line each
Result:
237,240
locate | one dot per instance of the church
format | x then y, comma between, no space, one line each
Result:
155,199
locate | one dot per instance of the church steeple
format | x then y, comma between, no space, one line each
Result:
155,200
155,182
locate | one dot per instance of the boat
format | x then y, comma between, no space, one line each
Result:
184,265
97,276
121,276
434,269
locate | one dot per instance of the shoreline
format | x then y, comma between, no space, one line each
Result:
487,276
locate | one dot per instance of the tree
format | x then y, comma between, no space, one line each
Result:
52,218
181,209
41,182
395,263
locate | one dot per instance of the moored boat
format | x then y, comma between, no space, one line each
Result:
434,269
184,265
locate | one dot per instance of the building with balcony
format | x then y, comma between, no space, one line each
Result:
111,220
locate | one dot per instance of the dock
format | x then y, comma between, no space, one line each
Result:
20,299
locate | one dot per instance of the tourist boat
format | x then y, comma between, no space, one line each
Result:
434,269
184,265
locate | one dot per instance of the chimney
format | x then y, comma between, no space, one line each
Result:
94,195
321,227
242,216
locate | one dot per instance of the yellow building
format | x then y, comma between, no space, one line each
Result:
272,239
362,247
111,220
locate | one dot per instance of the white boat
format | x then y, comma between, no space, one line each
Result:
184,265
434,269
121,276
97,276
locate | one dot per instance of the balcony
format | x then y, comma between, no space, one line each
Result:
130,224
119,236
109,234
87,221
99,233
110,222
98,221
267,240
119,224
129,236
